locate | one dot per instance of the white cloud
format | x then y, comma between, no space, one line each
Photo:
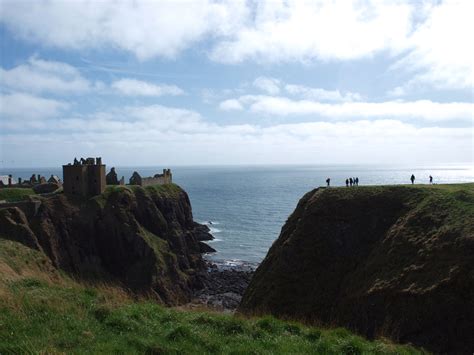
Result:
178,136
321,94
422,109
432,37
39,75
17,109
268,30
307,30
231,105
443,54
133,87
145,28
269,85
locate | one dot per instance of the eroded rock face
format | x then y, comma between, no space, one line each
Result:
387,261
144,239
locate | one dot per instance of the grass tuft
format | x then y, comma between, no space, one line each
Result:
14,194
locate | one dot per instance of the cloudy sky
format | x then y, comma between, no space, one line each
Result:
236,82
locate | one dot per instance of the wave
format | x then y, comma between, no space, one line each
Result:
214,240
236,264
209,223
214,230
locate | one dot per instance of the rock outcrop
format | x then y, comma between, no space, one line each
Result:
143,238
46,188
383,261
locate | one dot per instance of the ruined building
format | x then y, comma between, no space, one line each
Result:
112,179
84,178
157,179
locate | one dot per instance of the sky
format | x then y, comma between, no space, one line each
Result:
203,82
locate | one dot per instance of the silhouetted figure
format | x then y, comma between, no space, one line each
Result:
347,182
431,179
357,181
351,181
328,181
412,178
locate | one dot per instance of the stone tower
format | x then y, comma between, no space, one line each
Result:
84,178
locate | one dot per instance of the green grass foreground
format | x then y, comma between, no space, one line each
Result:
37,316
14,194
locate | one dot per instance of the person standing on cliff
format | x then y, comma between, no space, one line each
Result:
347,182
431,179
328,181
412,178
357,181
351,181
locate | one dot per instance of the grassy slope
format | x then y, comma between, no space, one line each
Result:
42,311
13,194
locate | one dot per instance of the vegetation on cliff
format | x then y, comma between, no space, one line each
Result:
13,194
44,311
142,238
395,261
84,276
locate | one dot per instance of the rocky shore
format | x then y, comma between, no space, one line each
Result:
223,286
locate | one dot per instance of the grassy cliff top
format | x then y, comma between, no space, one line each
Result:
454,200
14,194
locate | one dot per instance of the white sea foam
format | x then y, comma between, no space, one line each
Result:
214,230
209,223
233,262
214,240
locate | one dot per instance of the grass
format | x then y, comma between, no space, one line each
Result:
42,311
45,311
14,194
154,191
431,200
17,260
167,190
37,316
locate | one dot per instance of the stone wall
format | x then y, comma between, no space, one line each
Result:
157,179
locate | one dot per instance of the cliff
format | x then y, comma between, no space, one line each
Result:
144,239
384,261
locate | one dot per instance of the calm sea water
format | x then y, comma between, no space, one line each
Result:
248,205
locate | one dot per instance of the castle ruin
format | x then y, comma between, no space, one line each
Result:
112,179
157,179
84,178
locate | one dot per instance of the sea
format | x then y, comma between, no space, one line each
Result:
245,207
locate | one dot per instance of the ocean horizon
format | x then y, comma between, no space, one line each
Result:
245,206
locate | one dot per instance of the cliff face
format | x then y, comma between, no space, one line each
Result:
143,238
391,261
